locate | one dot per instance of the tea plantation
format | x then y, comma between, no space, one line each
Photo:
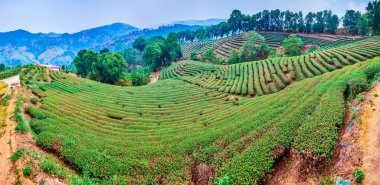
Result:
173,131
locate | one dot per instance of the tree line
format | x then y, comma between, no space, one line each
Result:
287,21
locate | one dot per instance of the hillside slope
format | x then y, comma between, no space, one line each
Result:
167,132
274,74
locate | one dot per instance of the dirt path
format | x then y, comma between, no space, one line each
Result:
48,74
8,146
154,76
370,137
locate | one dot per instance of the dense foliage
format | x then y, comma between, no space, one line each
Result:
161,52
292,45
104,67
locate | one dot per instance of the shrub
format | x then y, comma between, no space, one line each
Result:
35,112
224,181
359,175
27,171
17,155
372,69
194,56
48,165
34,100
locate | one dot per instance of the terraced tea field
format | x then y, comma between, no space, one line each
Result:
223,47
272,75
174,132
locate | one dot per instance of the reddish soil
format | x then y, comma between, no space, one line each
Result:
358,147
154,76
370,137
8,146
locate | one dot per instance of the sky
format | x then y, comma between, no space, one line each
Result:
71,16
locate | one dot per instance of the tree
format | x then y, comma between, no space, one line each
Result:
319,25
233,58
292,45
194,56
83,62
309,22
109,68
373,10
105,50
209,56
200,34
253,47
363,24
139,44
332,24
171,49
350,21
2,67
152,56
275,20
235,21
223,29
301,22
131,56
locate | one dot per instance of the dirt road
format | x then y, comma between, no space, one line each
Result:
370,137
8,146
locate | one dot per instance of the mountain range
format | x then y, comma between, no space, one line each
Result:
21,47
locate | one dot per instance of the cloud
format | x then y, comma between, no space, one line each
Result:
357,6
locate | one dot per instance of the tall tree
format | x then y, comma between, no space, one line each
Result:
292,45
235,21
301,22
275,20
171,50
309,22
319,25
200,34
332,24
373,10
139,44
109,68
152,56
363,24
83,62
350,21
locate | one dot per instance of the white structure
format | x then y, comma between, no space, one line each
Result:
51,67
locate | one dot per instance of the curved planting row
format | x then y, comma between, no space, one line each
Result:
272,75
9,73
222,47
171,131
199,47
34,74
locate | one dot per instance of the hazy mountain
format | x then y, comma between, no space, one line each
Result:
21,47
207,22
124,41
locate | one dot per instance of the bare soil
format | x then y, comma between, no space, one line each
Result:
370,137
358,147
154,76
8,146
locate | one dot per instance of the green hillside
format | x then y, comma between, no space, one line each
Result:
271,75
164,132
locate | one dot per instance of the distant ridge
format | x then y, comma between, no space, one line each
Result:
206,22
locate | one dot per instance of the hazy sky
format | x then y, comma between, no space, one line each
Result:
75,15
